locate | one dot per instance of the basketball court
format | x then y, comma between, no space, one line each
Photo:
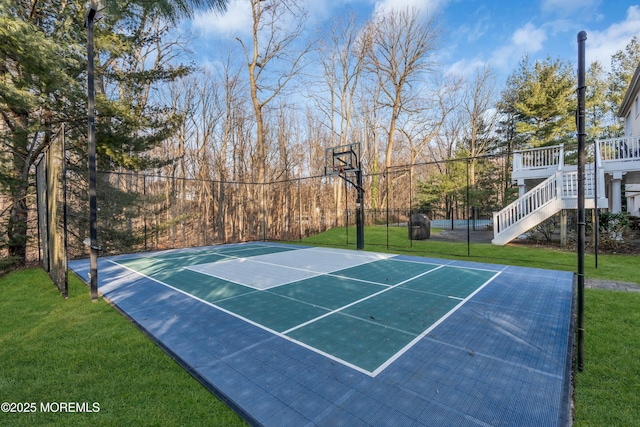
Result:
295,335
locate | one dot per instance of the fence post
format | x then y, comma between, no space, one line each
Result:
582,37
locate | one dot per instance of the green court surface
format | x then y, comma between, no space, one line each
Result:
293,335
363,312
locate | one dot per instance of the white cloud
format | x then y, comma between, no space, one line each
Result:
601,45
525,40
430,7
529,38
565,7
320,10
464,67
236,20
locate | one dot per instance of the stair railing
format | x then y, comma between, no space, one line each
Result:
526,205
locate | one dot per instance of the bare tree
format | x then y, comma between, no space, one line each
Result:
477,105
273,60
231,103
401,47
342,64
430,115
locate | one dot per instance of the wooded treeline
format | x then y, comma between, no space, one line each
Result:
240,143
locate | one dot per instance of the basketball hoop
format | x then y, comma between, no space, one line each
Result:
337,170
340,161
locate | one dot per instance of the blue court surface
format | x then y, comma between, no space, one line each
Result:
303,336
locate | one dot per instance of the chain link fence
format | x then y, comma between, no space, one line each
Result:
148,211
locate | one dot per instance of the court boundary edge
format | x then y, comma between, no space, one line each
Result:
181,362
568,383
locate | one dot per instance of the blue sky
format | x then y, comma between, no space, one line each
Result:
474,32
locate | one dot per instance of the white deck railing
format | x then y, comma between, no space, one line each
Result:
539,158
560,188
609,152
620,149
570,184
559,191
526,205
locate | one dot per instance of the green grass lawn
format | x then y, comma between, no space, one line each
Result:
56,350
395,240
608,389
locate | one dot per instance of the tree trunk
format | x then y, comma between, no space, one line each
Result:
17,224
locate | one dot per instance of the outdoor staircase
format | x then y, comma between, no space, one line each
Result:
557,192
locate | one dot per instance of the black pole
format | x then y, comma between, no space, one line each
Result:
346,210
144,195
582,37
386,180
410,205
300,211
65,235
93,231
596,219
359,212
263,211
468,212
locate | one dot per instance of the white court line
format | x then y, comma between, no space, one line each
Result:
186,252
258,325
432,327
299,263
364,258
369,257
183,252
360,300
330,356
450,264
355,279
166,284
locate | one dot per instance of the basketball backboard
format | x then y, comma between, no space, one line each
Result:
342,159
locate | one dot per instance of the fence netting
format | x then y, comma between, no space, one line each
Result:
155,210
147,211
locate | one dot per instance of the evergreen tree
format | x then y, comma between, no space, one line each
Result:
508,113
443,192
597,114
545,102
623,65
509,140
42,85
40,61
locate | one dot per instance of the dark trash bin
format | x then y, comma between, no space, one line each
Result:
419,227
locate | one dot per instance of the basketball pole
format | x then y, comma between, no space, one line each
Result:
340,161
580,119
359,211
359,205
